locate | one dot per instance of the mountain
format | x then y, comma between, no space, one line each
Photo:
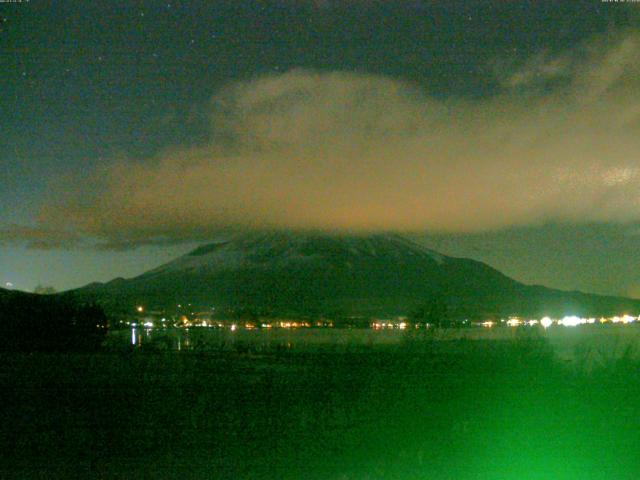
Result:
318,274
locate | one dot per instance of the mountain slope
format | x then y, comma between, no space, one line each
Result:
341,275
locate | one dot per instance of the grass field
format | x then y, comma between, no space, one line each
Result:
418,408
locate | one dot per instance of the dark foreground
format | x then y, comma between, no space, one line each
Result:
470,410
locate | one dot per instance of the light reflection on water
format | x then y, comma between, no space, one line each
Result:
608,341
141,335
257,340
138,334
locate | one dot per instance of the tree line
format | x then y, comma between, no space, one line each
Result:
49,322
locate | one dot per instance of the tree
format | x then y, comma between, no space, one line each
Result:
433,311
42,290
49,322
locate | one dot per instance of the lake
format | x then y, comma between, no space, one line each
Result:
584,345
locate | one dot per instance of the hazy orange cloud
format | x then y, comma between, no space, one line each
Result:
359,152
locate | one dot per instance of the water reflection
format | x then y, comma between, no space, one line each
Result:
614,338
140,334
247,340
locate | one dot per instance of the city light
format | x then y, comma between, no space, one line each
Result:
514,322
572,321
394,323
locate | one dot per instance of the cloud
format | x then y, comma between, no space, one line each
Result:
541,69
38,237
359,152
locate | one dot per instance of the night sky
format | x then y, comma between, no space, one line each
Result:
508,132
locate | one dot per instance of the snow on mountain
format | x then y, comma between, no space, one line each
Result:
322,274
